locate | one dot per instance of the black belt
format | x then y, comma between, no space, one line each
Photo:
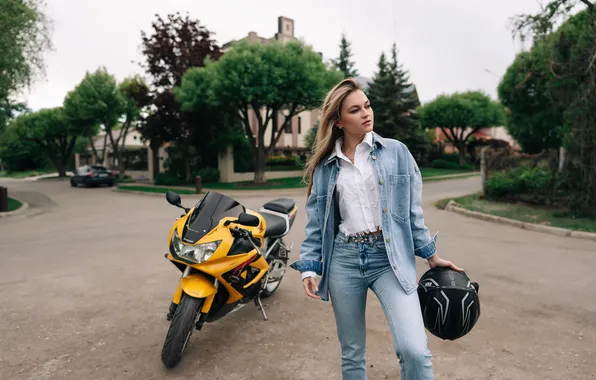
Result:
377,236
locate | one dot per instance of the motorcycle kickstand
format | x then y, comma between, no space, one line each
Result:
259,305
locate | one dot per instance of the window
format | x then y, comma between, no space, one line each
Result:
288,127
299,125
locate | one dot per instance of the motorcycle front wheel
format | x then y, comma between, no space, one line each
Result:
180,331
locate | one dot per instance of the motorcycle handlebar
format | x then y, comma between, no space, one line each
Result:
247,234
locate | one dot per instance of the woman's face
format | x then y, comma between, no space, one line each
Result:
356,114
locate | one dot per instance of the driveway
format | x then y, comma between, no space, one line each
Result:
84,291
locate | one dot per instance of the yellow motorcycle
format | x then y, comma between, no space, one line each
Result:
228,256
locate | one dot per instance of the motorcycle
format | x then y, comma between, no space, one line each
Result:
229,256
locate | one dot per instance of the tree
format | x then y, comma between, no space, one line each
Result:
381,92
394,100
176,45
572,87
343,63
135,94
311,137
97,100
50,130
541,24
8,111
273,81
24,38
18,154
460,115
533,118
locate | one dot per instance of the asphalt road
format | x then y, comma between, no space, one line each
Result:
84,290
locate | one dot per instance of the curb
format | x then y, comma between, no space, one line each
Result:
452,206
149,193
24,207
136,192
452,176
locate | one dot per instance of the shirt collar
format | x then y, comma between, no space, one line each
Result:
368,139
374,137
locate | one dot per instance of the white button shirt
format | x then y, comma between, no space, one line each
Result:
357,190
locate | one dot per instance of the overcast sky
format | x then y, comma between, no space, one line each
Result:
447,46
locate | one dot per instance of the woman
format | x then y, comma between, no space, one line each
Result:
365,227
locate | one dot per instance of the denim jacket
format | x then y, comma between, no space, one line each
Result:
404,231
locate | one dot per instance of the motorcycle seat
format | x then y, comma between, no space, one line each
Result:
275,226
283,205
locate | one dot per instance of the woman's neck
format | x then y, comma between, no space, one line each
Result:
351,141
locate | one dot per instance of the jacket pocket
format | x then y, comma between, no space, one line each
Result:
399,201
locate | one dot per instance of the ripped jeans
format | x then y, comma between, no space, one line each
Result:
355,267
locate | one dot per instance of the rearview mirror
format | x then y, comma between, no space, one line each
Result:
248,220
173,198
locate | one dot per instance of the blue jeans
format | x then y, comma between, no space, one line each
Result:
355,267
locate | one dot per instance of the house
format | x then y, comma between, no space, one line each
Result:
491,133
136,153
292,139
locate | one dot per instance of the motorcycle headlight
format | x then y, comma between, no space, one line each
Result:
193,253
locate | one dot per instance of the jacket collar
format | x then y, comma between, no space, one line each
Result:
372,139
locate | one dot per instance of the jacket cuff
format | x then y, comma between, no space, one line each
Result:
428,250
308,266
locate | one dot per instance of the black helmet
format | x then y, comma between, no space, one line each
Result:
449,302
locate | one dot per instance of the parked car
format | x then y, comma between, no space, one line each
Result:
92,175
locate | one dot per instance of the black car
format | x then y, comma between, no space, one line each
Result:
92,175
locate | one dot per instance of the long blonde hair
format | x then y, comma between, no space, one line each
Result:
328,131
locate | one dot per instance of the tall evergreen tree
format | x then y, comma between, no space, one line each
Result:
393,98
343,63
381,92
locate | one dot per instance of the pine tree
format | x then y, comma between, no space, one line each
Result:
405,100
380,93
343,63
393,98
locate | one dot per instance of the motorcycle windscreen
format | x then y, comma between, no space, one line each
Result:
207,214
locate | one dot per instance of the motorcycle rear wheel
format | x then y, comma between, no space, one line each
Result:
180,331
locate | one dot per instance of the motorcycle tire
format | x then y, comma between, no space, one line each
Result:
180,331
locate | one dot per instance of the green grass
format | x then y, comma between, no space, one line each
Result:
281,183
26,173
523,212
433,172
13,204
296,182
154,189
437,179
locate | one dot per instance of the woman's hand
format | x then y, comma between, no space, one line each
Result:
436,261
310,287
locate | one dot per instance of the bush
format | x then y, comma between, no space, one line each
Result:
443,164
450,157
519,181
208,175
285,161
169,179
501,185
